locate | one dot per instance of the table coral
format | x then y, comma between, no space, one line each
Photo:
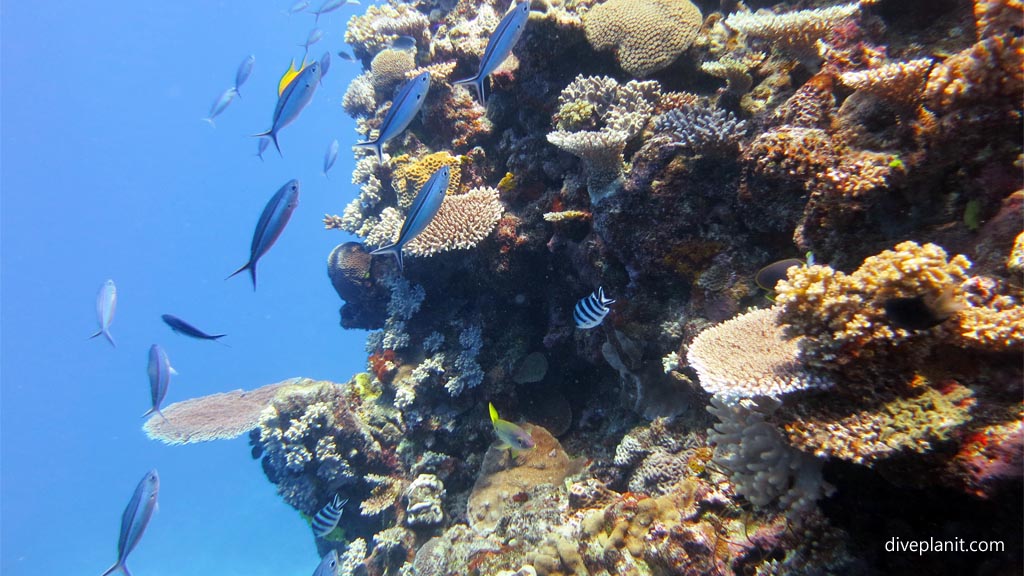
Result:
647,35
795,31
901,83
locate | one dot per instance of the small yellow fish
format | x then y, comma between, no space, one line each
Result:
510,435
290,75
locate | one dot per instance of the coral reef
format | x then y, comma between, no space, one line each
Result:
796,31
647,35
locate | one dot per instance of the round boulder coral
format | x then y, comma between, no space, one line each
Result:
647,35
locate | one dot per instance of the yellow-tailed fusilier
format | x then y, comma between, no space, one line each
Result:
135,519
499,46
403,109
510,435
106,303
294,92
422,211
274,218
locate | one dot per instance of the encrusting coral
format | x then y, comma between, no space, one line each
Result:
647,35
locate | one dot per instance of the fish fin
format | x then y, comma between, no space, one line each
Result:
209,121
287,77
154,410
392,249
478,84
237,93
251,267
377,146
124,568
173,371
273,137
493,411
117,566
106,334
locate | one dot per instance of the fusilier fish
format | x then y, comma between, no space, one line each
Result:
182,327
159,377
261,147
243,73
106,303
314,36
328,6
510,435
326,520
328,565
298,6
403,109
220,105
272,221
590,311
330,156
135,519
325,65
294,92
499,46
422,211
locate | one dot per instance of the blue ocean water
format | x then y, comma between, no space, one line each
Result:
108,172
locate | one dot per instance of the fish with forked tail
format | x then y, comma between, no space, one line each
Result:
404,107
590,311
326,520
182,327
272,221
294,92
510,435
160,371
499,46
135,519
106,303
422,211
328,565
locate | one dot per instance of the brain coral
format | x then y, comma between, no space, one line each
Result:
647,35
389,67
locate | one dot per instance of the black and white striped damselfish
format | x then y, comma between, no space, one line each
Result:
326,520
590,311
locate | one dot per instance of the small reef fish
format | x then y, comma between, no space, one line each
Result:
328,565
272,221
262,147
243,73
326,520
499,46
298,6
346,56
135,519
422,211
106,303
330,156
325,65
590,311
510,435
331,6
314,36
919,313
403,109
294,92
182,327
770,275
403,43
220,105
159,377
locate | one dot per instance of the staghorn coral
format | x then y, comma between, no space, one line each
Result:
703,130
461,222
467,373
750,356
647,35
381,24
423,500
796,31
992,69
900,83
410,174
857,174
215,417
440,73
388,68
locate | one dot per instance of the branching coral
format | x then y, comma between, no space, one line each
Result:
795,31
410,174
647,35
991,69
735,70
996,17
467,373
802,154
811,106
462,222
381,24
703,130
385,494
901,83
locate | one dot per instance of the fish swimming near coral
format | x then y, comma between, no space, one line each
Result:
403,43
182,327
220,105
314,36
328,565
346,56
331,6
160,371
770,275
422,211
510,435
272,221
590,311
403,109
499,46
294,92
330,156
135,519
243,73
326,520
919,313
106,303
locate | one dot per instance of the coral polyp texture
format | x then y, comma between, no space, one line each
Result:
795,31
462,222
647,35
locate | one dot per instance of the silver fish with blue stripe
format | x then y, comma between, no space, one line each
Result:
421,213
243,73
106,303
499,46
326,520
403,109
330,156
590,311
135,519
220,105
274,218
292,100
325,65
160,371
328,565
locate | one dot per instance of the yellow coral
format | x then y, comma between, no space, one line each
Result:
566,215
647,35
385,494
995,17
411,174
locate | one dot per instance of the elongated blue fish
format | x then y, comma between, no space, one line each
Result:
261,147
326,520
590,311
182,327
325,65
243,73
403,109
292,98
220,105
298,6
328,6
510,434
272,221
314,36
135,519
422,211
499,46
328,565
106,303
330,156
160,371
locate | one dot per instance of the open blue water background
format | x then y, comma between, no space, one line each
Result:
106,171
